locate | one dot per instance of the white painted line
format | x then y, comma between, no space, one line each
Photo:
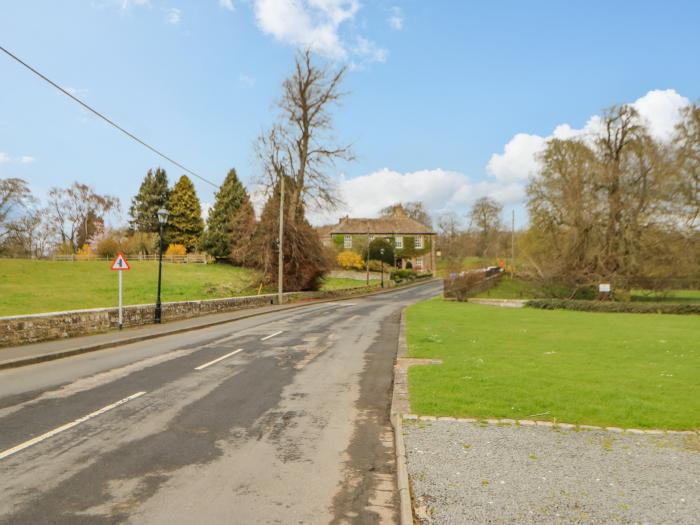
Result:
271,335
67,426
202,367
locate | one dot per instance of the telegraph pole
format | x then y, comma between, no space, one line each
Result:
280,251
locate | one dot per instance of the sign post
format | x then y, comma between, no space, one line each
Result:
119,264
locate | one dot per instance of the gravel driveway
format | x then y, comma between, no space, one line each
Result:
471,473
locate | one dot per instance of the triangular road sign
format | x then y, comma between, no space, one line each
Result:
120,263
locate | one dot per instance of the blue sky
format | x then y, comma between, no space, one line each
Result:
448,99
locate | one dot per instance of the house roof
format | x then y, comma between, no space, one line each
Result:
397,223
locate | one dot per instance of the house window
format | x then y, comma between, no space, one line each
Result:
419,263
347,242
398,240
418,242
371,238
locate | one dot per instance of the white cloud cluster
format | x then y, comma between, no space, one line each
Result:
396,18
661,109
440,190
226,4
172,15
7,159
126,4
315,24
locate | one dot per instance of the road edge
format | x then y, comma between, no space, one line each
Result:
17,363
396,416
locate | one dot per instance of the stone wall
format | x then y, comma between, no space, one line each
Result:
24,329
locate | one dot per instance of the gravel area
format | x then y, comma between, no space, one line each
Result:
472,473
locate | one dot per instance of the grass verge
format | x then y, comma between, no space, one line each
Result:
626,370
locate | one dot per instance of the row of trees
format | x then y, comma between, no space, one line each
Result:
618,205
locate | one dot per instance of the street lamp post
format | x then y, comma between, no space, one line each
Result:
162,220
381,252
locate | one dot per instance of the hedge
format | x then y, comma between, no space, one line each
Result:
615,306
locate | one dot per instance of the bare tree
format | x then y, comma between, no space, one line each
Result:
415,210
301,145
70,208
15,201
485,221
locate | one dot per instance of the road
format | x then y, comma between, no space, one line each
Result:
281,418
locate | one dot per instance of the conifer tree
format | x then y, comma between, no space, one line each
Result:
153,195
242,226
185,224
219,236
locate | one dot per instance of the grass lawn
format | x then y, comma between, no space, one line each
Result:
673,296
47,286
337,283
626,370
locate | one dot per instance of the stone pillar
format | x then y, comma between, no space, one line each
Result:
432,253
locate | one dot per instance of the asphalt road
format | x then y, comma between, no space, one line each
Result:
282,418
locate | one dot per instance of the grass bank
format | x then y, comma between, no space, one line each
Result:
28,287
627,370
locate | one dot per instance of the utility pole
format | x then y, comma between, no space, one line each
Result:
512,246
368,243
280,251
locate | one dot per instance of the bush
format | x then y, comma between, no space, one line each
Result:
376,266
176,249
107,247
142,243
350,260
402,275
614,306
85,252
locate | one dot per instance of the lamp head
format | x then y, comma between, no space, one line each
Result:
163,216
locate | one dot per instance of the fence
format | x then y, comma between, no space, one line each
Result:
195,258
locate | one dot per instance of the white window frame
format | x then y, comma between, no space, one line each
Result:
419,263
398,242
418,242
347,242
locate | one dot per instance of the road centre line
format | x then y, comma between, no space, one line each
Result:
67,426
271,335
202,367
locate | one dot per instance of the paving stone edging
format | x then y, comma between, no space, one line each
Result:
549,424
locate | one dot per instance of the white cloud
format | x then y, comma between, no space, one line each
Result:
173,15
396,18
4,158
126,4
440,190
315,24
26,159
517,162
246,81
226,4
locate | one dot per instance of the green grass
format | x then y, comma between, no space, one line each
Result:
47,286
626,370
338,283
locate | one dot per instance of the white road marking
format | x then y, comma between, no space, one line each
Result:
271,335
67,426
202,367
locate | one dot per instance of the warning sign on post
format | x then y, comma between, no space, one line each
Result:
120,263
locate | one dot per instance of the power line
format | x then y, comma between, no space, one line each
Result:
106,119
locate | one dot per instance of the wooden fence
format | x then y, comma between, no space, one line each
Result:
194,258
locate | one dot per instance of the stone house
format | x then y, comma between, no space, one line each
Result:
412,243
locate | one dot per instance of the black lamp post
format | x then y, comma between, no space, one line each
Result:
381,252
162,220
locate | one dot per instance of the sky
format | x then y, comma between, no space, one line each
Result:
448,101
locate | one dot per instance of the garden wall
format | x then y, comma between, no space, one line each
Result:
24,329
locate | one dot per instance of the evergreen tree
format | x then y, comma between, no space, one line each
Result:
242,226
153,195
185,224
219,235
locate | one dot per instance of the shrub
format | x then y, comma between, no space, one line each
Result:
350,260
107,247
142,243
614,306
176,249
376,266
85,252
401,275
